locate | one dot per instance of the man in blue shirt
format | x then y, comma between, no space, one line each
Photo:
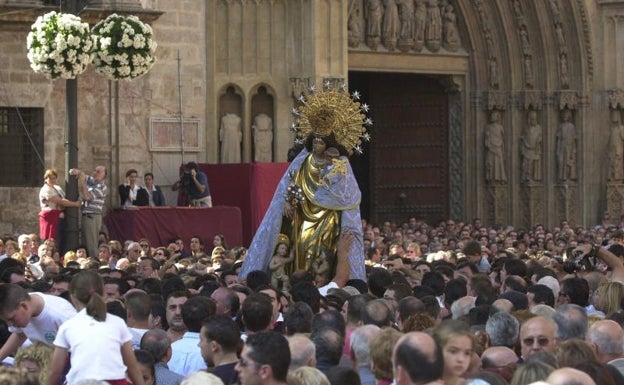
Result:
195,184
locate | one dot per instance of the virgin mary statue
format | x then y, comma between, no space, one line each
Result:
318,197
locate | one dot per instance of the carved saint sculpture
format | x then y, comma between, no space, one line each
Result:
407,18
353,23
263,138
495,150
450,31
566,148
616,148
373,14
433,30
231,136
390,27
531,150
420,20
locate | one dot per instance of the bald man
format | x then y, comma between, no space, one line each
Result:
538,334
417,360
607,338
498,356
503,305
565,376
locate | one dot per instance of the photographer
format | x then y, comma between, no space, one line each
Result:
195,185
610,259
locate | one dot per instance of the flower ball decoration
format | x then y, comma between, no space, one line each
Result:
124,47
59,45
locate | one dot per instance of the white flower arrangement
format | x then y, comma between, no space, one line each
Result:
59,45
124,48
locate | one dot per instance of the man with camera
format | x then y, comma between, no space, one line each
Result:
195,185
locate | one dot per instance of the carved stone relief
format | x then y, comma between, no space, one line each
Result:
406,25
353,23
533,204
567,202
497,203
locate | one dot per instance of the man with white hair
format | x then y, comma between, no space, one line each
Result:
134,251
360,352
302,351
607,338
462,306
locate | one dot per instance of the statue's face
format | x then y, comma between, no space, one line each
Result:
318,146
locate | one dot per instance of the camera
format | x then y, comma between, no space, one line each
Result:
185,180
575,261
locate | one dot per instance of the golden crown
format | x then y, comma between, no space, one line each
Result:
333,111
283,238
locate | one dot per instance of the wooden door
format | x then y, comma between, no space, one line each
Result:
408,156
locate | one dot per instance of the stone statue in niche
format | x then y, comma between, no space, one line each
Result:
420,20
564,77
529,80
531,150
373,14
616,148
450,31
560,38
353,23
493,72
263,138
495,150
524,39
390,26
433,30
407,18
231,136
566,148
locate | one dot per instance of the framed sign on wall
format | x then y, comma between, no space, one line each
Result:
165,134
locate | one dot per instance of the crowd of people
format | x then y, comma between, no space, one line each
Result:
452,303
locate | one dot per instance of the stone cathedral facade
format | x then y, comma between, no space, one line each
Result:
506,110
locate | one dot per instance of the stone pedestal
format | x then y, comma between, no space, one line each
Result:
532,208
497,203
567,202
615,199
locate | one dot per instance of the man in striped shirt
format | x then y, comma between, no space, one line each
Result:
93,190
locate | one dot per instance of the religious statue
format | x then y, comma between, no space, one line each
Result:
531,150
231,136
263,138
566,148
524,39
407,32
390,26
353,23
616,148
493,72
420,20
495,150
373,13
450,32
282,257
318,197
564,77
433,29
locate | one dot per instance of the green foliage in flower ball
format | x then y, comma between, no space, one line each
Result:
59,45
124,47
